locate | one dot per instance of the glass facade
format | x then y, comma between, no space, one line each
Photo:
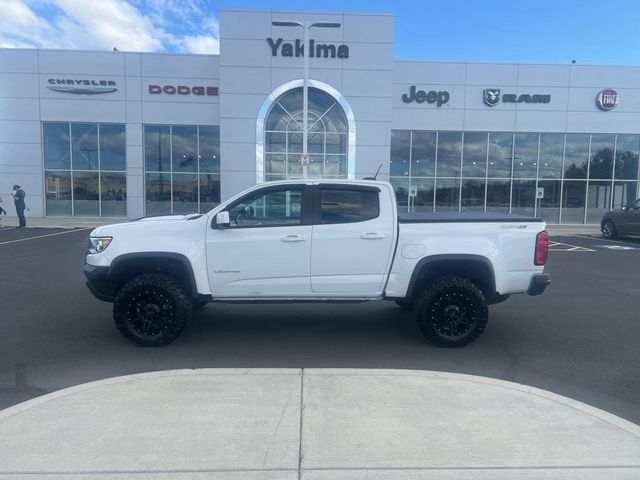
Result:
182,168
85,169
580,175
327,138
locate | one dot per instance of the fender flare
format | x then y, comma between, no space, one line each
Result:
127,257
424,264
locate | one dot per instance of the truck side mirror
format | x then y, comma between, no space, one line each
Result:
221,220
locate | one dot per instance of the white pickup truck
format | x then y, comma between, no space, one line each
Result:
315,241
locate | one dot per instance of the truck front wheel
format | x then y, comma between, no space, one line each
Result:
152,310
452,311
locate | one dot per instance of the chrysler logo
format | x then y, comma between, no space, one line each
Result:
607,99
81,87
491,96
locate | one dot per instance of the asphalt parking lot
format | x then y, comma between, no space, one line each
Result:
580,339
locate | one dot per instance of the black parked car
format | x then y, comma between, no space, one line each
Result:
622,222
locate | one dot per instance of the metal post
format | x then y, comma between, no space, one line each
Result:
305,102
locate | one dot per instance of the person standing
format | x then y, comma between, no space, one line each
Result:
18,200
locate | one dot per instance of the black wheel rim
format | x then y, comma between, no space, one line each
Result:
454,314
150,312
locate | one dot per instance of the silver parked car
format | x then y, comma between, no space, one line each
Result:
625,221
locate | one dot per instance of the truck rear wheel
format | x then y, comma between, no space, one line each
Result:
152,310
452,311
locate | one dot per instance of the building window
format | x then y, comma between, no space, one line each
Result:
85,169
182,168
327,138
579,176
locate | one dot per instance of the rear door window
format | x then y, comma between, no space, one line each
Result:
345,205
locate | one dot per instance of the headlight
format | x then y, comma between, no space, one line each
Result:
98,244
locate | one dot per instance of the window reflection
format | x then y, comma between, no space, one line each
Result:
498,193
525,160
57,151
328,135
600,172
573,202
423,154
449,154
447,195
551,147
601,162
423,200
83,162
157,148
400,148
523,197
627,157
84,146
549,205
474,158
473,195
182,168
500,151
576,155
112,147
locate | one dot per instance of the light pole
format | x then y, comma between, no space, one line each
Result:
304,160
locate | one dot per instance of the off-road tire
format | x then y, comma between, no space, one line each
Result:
609,229
152,309
452,311
406,304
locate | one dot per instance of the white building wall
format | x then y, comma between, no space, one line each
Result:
249,73
573,90
26,102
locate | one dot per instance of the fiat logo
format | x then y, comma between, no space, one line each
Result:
607,99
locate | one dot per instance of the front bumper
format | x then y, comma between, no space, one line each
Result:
539,283
99,283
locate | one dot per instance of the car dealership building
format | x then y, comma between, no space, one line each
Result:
118,134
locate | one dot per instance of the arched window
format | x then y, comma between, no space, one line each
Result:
328,140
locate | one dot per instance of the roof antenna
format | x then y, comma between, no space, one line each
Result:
375,177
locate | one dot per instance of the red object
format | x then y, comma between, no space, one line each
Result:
542,248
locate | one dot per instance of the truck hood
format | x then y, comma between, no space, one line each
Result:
165,218
156,223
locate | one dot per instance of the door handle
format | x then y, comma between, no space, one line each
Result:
372,236
293,238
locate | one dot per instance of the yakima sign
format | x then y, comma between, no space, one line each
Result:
607,99
491,97
420,96
182,90
296,49
81,86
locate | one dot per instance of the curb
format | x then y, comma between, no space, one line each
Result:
618,422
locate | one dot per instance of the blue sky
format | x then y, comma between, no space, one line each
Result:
589,31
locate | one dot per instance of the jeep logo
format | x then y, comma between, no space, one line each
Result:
420,96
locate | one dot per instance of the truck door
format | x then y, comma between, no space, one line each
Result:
353,238
265,251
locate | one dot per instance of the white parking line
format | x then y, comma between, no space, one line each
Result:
565,247
43,236
598,239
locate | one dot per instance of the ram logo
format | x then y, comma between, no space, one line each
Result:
491,96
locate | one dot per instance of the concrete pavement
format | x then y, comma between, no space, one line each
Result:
314,424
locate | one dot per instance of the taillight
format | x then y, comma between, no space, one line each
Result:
542,248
